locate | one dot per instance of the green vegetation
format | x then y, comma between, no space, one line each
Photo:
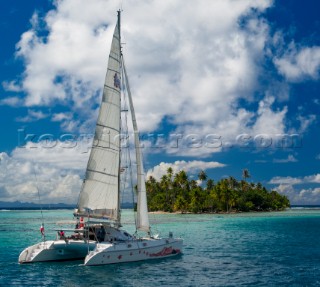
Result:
176,192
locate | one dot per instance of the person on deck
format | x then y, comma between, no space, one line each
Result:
42,229
101,234
61,234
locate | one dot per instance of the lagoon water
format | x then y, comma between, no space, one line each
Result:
248,249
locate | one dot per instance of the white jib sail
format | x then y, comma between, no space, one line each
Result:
99,193
142,208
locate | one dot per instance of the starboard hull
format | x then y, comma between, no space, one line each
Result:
58,250
136,250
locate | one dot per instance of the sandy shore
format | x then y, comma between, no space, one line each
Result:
162,212
220,212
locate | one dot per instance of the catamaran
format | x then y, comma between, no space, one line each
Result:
98,236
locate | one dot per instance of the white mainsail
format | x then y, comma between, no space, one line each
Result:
142,208
99,196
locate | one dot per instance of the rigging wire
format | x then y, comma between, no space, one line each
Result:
124,159
129,154
39,198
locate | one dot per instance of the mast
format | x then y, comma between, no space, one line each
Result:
119,172
119,23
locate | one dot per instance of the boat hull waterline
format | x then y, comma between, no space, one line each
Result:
132,251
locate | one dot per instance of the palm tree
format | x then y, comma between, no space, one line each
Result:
193,184
259,186
164,183
175,192
231,193
226,191
170,172
181,179
152,179
202,175
182,184
210,184
245,174
152,183
232,182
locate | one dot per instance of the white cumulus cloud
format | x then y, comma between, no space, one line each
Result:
291,187
191,69
189,166
315,178
32,116
55,171
285,180
298,64
190,64
306,196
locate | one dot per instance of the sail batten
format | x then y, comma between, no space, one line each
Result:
111,57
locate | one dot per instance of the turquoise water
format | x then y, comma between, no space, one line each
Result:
252,249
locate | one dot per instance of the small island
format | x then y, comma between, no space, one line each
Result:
177,193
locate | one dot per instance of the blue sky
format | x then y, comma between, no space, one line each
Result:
235,84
